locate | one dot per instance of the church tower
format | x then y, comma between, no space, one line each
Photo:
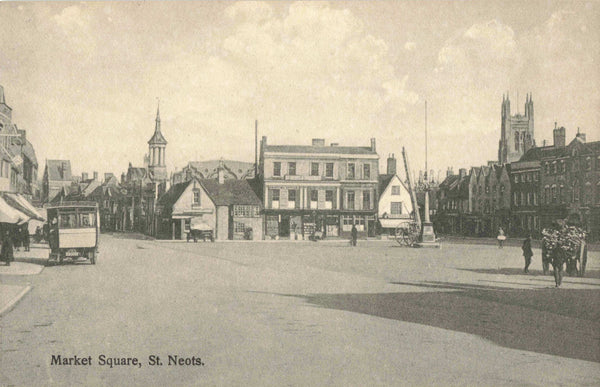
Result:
157,166
516,132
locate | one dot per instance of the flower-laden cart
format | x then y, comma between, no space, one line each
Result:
561,245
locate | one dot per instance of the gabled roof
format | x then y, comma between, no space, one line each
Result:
384,181
29,152
231,192
206,169
59,170
172,195
353,150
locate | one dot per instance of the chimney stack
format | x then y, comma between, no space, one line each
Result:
391,165
318,142
373,148
580,136
462,172
84,176
95,175
221,173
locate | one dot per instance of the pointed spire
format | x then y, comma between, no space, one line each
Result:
158,110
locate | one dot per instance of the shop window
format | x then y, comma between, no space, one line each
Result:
239,227
274,197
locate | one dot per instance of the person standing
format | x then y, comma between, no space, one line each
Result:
6,252
501,237
354,234
527,252
25,236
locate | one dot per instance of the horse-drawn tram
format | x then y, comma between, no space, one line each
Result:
73,229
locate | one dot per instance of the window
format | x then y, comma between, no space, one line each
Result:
553,190
329,170
87,220
292,168
292,196
351,171
366,171
187,225
314,198
314,195
395,190
587,193
328,200
68,220
239,227
196,199
516,178
396,208
535,176
366,200
245,211
274,198
314,169
516,141
277,168
588,164
350,197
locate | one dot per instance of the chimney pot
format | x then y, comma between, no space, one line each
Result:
95,175
373,147
318,142
84,176
391,165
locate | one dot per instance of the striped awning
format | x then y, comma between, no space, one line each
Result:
9,214
21,204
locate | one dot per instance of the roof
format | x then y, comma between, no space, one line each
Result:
29,152
353,150
59,170
384,180
173,194
157,138
536,154
230,192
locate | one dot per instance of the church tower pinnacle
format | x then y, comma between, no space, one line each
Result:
157,146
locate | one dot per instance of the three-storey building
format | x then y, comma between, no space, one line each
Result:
318,187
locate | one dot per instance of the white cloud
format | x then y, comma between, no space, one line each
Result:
313,70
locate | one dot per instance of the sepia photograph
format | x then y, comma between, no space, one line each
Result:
300,193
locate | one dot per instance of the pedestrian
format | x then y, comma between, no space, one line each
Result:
25,236
6,252
354,234
501,237
558,261
527,253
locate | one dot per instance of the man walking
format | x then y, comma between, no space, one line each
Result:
527,252
354,233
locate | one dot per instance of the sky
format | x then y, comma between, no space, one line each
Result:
84,79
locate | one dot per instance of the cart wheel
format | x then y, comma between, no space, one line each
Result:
92,257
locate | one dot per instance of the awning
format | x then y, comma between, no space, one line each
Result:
393,223
8,214
35,213
21,204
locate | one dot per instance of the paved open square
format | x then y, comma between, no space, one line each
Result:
303,313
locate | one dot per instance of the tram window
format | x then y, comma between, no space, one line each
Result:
68,221
87,220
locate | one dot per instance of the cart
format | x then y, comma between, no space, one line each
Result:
73,230
407,233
